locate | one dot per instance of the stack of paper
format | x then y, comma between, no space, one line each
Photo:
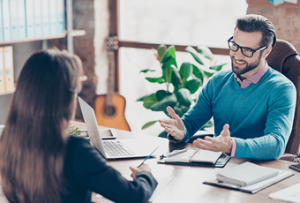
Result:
246,174
248,177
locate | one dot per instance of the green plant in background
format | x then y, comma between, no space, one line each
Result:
181,83
72,130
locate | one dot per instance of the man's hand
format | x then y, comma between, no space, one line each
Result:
173,126
135,170
222,143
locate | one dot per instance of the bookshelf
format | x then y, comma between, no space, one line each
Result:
24,48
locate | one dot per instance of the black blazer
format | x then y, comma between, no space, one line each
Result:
85,171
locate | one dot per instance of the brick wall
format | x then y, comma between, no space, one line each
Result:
91,16
285,18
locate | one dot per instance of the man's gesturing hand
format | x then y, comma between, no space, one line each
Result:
222,143
173,126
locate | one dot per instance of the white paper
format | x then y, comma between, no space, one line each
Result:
162,184
257,186
290,194
291,1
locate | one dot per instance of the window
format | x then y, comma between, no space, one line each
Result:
189,22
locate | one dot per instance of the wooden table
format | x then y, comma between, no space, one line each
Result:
187,183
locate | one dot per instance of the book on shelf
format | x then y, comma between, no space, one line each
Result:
53,17
37,18
45,18
13,11
60,17
248,177
2,71
9,69
6,20
1,24
29,10
21,25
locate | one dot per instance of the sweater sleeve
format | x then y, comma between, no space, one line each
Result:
91,171
199,114
280,116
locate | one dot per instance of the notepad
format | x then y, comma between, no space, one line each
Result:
254,187
246,174
194,155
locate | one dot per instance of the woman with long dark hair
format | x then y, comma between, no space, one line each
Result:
39,161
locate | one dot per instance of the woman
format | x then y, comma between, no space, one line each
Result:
39,162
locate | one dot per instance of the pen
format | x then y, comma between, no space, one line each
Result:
175,152
147,157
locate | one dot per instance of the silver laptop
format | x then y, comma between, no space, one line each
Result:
112,149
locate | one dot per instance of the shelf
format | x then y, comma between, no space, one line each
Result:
6,93
75,33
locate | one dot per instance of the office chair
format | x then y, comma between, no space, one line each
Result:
285,59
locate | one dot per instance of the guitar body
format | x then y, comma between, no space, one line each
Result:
112,116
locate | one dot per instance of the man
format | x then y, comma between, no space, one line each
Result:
257,102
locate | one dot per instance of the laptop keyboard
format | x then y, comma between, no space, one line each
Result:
116,148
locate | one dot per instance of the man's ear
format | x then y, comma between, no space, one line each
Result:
267,51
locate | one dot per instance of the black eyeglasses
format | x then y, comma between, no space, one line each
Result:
248,52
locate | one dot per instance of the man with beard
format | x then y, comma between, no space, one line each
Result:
257,102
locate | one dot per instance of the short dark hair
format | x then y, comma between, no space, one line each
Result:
258,23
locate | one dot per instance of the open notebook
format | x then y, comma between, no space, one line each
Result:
195,157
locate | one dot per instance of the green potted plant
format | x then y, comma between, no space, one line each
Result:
181,83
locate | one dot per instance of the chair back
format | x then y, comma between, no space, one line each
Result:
285,59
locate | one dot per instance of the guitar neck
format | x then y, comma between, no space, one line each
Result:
111,78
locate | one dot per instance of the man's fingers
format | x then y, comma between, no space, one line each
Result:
171,112
205,145
225,131
163,121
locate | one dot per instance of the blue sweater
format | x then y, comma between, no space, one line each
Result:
260,116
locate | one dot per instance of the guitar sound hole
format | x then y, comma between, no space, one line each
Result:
109,110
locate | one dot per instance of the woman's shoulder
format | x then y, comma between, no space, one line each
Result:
77,143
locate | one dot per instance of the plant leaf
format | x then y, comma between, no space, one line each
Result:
167,72
147,125
142,98
147,70
184,97
154,80
170,53
185,71
161,50
162,105
175,80
161,94
194,54
217,67
197,72
209,124
205,51
163,134
208,74
149,101
193,85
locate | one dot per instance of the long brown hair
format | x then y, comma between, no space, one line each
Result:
33,144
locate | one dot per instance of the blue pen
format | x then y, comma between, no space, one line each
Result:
148,157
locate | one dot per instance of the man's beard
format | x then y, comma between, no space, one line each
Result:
238,71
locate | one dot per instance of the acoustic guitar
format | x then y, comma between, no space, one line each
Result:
110,108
